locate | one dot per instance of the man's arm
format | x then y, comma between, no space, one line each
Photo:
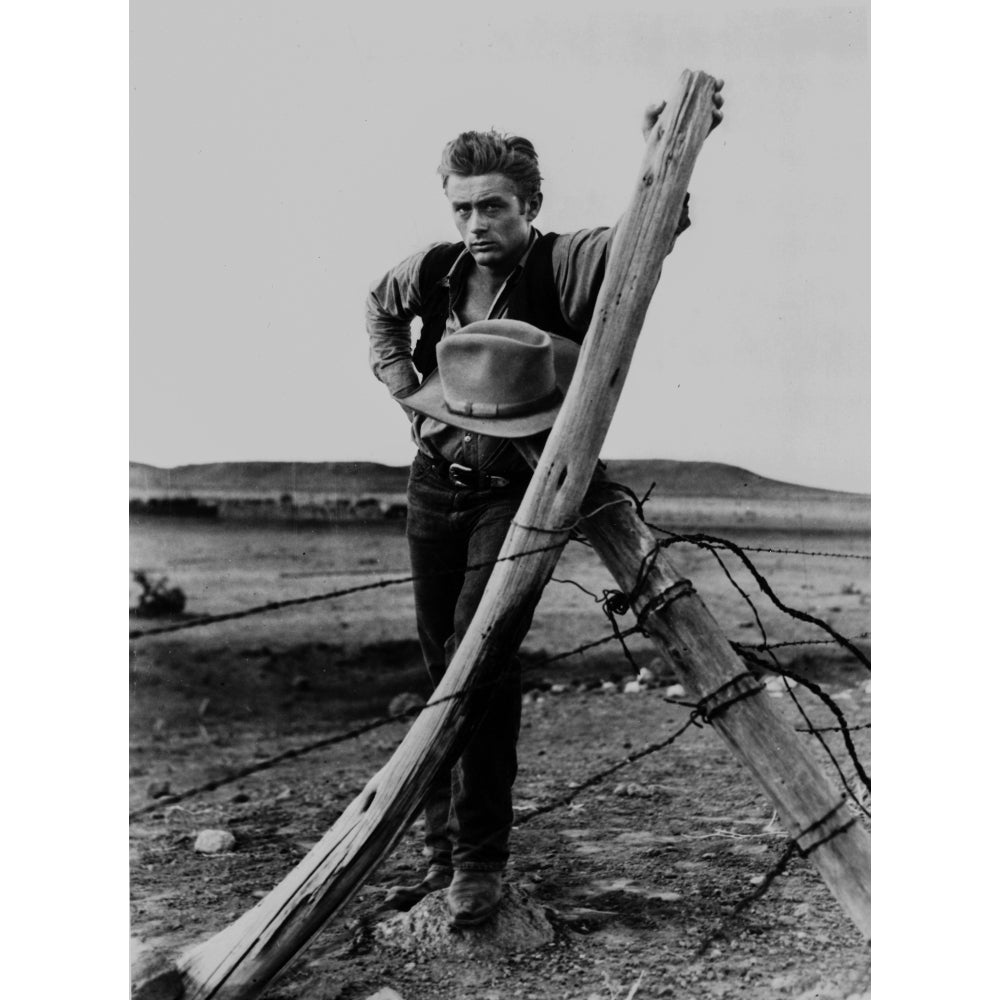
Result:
392,303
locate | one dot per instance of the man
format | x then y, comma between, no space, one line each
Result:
465,483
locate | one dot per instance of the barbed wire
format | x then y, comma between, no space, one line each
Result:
834,729
827,700
270,606
718,933
599,776
805,642
794,848
715,544
327,596
805,552
704,710
614,603
844,729
360,730
707,708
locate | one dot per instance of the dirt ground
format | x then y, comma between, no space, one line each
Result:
635,873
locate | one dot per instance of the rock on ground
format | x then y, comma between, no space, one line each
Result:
405,702
214,841
519,925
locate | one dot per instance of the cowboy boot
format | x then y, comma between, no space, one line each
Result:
474,897
405,897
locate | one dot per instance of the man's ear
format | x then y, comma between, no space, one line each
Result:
533,206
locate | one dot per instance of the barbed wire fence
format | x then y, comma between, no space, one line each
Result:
759,658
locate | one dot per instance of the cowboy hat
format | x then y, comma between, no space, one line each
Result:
499,377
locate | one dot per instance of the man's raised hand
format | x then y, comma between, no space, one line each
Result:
653,112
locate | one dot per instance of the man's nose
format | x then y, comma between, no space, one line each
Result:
477,222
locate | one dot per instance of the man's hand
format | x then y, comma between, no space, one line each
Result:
649,119
653,112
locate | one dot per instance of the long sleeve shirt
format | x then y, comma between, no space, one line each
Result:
394,301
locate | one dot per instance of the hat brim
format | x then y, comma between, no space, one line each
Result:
429,400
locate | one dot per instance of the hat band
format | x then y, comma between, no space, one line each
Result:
470,409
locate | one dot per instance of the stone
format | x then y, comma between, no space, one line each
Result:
675,691
784,981
386,993
159,789
519,925
214,841
589,847
641,837
777,686
586,915
633,887
634,790
633,687
408,701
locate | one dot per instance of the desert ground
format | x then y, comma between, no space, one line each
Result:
635,873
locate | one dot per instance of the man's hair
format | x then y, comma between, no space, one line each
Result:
475,153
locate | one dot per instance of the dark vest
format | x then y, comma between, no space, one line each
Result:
533,298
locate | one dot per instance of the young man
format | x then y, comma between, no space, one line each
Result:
466,483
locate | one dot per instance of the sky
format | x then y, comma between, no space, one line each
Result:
283,157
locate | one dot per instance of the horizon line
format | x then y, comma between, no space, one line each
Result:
404,465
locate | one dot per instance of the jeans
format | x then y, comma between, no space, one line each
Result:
468,809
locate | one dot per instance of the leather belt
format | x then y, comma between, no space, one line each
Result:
472,479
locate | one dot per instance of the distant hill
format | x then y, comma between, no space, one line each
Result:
354,478
678,479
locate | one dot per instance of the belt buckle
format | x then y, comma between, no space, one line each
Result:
456,475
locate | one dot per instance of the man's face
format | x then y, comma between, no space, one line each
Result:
493,221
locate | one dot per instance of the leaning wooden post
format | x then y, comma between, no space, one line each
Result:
811,808
240,960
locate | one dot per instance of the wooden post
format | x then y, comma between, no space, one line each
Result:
810,806
240,960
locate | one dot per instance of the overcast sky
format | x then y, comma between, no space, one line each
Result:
284,154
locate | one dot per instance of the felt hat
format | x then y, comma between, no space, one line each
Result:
499,377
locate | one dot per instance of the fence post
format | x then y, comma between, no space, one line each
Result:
810,807
239,961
